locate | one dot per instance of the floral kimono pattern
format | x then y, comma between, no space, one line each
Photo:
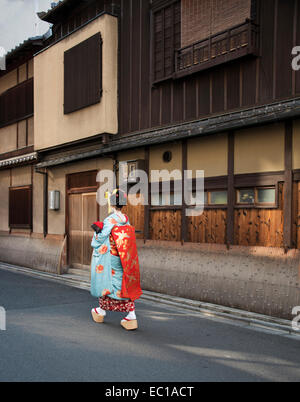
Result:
114,279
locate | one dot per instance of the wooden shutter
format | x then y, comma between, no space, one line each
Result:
16,103
20,207
166,38
83,74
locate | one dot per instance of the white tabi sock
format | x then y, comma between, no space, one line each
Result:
100,311
131,316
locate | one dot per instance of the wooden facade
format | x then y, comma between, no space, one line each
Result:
248,81
166,80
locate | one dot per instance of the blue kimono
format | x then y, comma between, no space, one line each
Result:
106,269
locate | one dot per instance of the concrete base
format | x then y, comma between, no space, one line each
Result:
260,280
37,253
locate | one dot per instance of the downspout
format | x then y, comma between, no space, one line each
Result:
45,191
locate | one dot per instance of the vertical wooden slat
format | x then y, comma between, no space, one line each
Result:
147,206
288,185
184,221
231,191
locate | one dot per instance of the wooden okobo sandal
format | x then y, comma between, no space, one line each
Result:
97,317
129,325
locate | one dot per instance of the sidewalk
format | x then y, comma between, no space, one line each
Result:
81,280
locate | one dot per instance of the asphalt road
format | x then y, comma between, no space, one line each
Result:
50,336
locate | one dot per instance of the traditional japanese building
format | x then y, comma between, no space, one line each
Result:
163,84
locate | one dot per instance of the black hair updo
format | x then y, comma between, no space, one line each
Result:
118,199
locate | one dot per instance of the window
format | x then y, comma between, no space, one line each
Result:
16,103
214,198
166,37
202,18
217,197
257,196
20,207
166,199
246,196
83,74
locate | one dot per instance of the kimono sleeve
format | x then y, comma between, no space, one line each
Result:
100,238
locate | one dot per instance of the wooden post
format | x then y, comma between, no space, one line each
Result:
147,207
184,231
288,185
231,191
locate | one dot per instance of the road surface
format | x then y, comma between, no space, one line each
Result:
50,336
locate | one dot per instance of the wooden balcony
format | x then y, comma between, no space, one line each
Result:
236,42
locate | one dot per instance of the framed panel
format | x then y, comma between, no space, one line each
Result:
20,207
83,74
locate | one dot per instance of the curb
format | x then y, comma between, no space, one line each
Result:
205,309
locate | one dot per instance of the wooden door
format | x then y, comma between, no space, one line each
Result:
83,211
298,214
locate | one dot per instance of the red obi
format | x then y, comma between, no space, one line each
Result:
125,242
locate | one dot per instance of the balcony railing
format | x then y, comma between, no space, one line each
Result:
225,46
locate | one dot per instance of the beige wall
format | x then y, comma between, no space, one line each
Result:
8,137
156,157
38,203
296,145
57,181
9,80
23,73
21,176
4,185
131,155
30,68
22,131
30,131
52,127
260,149
209,154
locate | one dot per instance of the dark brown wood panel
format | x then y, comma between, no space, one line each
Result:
217,77
297,30
248,72
247,82
125,67
284,44
190,99
155,106
83,74
298,216
267,16
166,104
178,97
203,94
145,65
135,65
20,207
16,103
82,180
233,85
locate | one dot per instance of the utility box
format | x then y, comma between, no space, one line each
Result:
54,200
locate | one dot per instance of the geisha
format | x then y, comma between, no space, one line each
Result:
115,274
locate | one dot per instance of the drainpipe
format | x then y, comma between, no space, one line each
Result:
45,191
